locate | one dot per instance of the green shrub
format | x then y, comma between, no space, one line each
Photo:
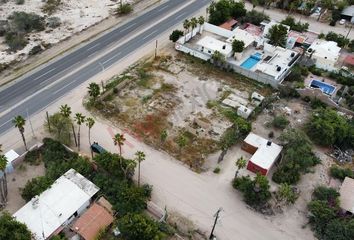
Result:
35,50
254,17
175,35
51,6
33,157
255,192
280,122
15,41
20,2
35,187
217,170
53,22
23,22
223,10
296,26
341,173
124,8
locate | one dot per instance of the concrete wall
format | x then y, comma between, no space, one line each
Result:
192,52
218,30
317,93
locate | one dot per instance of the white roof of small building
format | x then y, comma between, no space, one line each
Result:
325,49
45,213
243,36
244,111
265,156
348,11
214,44
11,156
234,101
347,195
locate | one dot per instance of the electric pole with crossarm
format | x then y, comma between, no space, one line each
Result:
211,237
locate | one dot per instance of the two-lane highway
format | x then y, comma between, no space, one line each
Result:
39,80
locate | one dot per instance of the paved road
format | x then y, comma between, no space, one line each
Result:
37,81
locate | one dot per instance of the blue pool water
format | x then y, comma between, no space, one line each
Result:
325,88
251,61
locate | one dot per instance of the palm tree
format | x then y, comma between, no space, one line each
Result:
65,110
201,21
80,119
3,181
240,163
119,140
140,156
186,26
20,123
94,91
89,123
194,24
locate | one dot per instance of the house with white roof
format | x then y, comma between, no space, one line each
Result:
46,215
264,153
325,54
209,45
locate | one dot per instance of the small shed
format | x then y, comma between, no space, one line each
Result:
346,197
264,153
244,112
11,156
348,13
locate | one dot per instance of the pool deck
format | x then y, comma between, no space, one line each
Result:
311,77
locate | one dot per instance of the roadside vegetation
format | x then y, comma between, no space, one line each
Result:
326,217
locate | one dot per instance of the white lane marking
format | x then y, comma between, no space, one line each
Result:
51,70
130,26
93,46
63,87
162,8
5,122
109,59
149,34
177,18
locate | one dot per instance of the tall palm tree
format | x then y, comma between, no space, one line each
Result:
89,123
194,24
80,119
201,21
20,123
3,181
65,110
240,163
186,26
119,140
140,156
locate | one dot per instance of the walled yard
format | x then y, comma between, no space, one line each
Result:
179,96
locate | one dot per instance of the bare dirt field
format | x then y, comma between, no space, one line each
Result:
170,95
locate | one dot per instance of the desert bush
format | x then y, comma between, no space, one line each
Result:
22,22
15,41
35,50
124,8
50,6
280,122
53,22
20,2
341,173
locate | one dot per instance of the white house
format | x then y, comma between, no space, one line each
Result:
209,45
47,214
324,53
347,195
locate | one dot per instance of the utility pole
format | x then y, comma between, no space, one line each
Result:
156,49
211,237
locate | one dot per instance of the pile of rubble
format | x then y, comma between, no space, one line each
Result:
342,156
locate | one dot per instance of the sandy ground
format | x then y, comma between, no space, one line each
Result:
75,15
196,196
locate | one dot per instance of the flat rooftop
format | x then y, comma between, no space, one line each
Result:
278,62
347,195
214,44
266,155
47,212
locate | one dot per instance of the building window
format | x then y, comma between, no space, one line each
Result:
209,51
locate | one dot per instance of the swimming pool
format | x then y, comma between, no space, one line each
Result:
251,61
325,87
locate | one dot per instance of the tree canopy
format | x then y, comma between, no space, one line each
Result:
277,35
12,229
297,157
223,10
326,127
